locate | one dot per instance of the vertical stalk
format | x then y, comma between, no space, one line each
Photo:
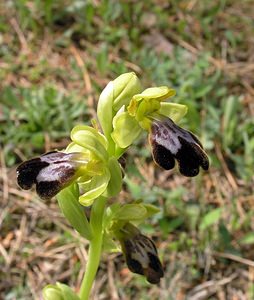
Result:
94,253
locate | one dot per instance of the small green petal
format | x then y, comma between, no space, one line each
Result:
126,130
173,111
95,187
159,93
146,108
90,139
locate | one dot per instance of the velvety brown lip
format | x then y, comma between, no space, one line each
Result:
170,142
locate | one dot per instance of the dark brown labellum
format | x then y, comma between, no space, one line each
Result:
170,142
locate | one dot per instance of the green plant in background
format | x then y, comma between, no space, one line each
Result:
33,124
88,173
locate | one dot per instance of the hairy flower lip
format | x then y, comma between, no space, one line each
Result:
50,172
169,142
140,253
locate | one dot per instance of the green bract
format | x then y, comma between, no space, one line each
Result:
142,110
68,200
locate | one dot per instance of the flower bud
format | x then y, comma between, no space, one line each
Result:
115,95
125,87
51,292
58,292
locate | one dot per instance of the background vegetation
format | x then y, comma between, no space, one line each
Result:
55,58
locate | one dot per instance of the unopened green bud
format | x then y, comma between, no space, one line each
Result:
52,292
125,87
115,95
58,292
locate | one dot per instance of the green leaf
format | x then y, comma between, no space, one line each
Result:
210,218
168,226
126,130
248,239
68,200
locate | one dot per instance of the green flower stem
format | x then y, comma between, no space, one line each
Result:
94,252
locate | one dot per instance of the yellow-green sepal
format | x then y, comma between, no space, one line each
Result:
173,111
159,93
68,200
95,187
90,139
126,129
105,109
125,87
